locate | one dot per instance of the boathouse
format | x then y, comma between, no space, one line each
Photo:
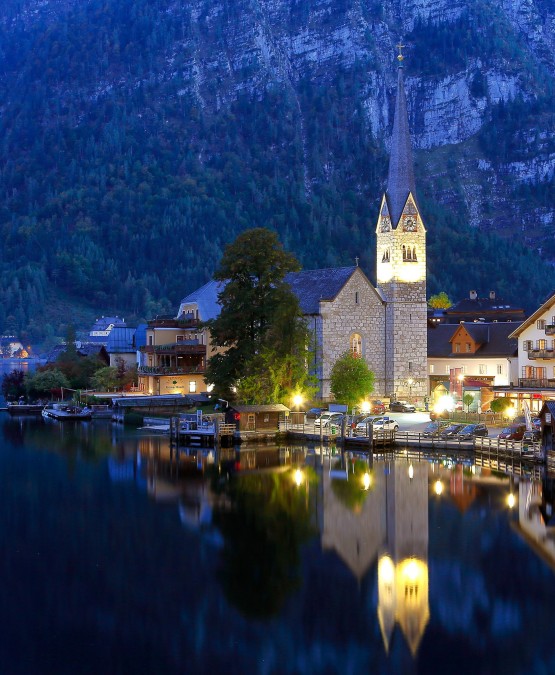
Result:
257,417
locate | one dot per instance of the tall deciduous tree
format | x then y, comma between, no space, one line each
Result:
351,379
260,322
440,301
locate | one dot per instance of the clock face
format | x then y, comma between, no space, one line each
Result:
410,225
386,224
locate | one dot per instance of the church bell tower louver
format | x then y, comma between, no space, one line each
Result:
401,264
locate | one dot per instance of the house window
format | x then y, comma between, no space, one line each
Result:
482,369
541,373
431,368
179,338
468,347
527,345
457,348
448,369
410,366
355,345
499,369
541,344
540,324
356,297
150,340
192,387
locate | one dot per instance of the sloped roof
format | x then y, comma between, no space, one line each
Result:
105,321
477,305
400,180
312,286
550,302
206,298
121,340
494,338
271,407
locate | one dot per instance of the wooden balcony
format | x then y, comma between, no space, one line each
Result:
171,370
532,383
166,322
541,354
176,348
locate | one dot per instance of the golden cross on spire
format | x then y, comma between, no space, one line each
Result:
400,47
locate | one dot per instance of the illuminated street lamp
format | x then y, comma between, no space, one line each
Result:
298,400
365,407
298,477
510,412
511,500
438,487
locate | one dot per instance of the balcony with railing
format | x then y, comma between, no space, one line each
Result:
172,322
541,354
172,370
533,383
176,348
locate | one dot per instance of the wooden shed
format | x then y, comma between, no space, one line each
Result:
259,417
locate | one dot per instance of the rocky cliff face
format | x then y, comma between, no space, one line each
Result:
479,82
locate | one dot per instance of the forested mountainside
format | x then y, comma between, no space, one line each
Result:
138,137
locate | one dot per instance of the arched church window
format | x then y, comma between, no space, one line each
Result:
409,254
355,345
414,254
404,252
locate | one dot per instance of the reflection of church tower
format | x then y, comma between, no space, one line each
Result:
401,264
403,568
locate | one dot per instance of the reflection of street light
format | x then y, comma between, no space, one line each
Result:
298,477
366,481
411,471
511,500
438,487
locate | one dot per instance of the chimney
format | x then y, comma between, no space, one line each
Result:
473,295
492,295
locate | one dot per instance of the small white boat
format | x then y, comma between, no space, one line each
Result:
59,411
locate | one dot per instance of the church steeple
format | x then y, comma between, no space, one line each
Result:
400,180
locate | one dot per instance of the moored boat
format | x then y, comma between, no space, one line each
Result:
60,411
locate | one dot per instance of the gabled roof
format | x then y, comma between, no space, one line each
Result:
206,298
400,180
120,340
312,286
477,305
105,321
550,302
494,338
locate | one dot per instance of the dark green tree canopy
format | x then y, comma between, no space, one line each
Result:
260,321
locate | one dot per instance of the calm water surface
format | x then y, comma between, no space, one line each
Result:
116,558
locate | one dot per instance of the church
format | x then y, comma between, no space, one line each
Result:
384,324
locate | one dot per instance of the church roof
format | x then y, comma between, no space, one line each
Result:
312,286
400,180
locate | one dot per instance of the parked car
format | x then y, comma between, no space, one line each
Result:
434,428
532,436
314,413
514,432
471,431
451,431
327,419
401,406
379,424
377,407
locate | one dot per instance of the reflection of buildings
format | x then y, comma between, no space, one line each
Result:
536,517
392,524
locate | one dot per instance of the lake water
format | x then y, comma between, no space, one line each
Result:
116,558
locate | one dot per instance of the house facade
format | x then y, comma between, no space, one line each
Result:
471,358
533,381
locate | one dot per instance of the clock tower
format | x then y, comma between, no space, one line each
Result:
401,265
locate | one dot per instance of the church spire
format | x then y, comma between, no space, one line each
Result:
400,180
